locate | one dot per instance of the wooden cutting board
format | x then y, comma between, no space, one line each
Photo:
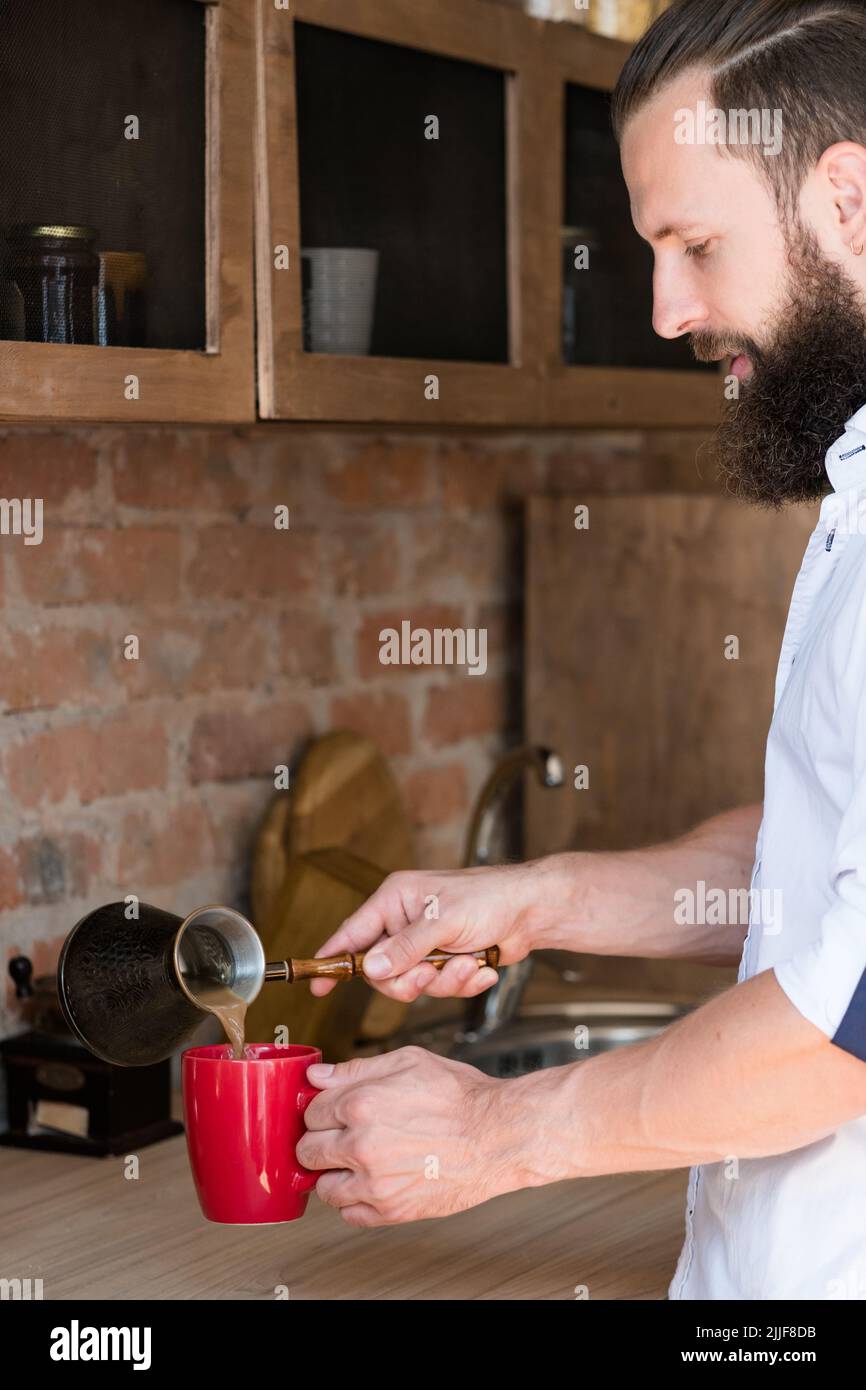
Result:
342,796
319,890
343,793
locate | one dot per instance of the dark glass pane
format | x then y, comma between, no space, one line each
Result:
71,74
435,210
607,308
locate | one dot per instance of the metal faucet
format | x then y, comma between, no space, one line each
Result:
490,1010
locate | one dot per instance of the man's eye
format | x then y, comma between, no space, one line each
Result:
697,250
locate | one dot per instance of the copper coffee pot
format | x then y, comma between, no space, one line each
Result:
135,982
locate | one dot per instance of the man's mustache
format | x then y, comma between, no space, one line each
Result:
709,347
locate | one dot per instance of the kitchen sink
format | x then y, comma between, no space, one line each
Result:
544,1035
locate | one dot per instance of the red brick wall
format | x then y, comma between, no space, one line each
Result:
150,776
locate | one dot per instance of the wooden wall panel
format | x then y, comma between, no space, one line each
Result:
626,670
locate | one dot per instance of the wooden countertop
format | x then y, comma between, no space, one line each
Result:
90,1233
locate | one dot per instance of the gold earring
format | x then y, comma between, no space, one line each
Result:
858,251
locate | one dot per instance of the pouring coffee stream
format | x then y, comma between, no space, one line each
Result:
134,981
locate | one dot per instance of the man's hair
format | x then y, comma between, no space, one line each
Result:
806,58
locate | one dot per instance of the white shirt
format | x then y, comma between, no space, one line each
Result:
793,1226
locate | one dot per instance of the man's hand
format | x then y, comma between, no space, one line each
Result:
416,912
600,904
411,1135
408,1136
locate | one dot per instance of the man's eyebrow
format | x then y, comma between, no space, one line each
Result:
681,231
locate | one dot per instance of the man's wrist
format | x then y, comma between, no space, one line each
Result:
533,1123
552,894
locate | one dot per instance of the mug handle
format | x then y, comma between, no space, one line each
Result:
306,1177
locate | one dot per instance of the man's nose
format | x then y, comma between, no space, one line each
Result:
676,310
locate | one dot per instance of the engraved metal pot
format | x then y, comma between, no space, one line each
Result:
131,988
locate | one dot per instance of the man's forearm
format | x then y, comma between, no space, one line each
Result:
743,1076
623,904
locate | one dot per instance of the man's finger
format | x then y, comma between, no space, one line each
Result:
363,1216
405,989
451,979
331,1079
365,925
340,1188
485,979
398,954
321,987
324,1149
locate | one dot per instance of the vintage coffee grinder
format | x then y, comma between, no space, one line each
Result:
62,1098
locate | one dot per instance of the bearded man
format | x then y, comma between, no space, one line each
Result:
761,1092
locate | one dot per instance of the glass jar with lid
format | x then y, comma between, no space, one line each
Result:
56,269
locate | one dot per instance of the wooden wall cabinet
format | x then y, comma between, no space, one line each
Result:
270,128
180,195
324,178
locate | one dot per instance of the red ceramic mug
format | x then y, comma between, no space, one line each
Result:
243,1119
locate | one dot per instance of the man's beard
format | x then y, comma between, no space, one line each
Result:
803,388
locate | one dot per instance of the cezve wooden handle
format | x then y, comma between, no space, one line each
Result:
351,963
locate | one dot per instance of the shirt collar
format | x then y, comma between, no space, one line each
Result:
846,459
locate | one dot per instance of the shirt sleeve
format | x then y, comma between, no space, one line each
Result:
827,984
826,981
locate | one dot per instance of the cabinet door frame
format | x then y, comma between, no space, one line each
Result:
299,385
78,382
598,396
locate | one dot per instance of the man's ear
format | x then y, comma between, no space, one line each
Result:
842,169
